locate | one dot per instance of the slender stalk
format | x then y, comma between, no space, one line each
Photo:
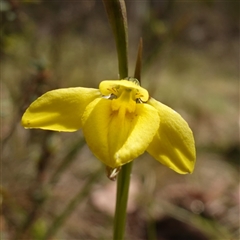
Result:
117,16
123,182
116,11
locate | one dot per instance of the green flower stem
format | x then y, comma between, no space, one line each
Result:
117,16
116,11
124,176
123,182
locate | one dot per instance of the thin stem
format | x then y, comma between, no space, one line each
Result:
117,16
123,183
116,11
123,180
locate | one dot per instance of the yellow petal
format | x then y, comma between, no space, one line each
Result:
173,145
59,110
114,139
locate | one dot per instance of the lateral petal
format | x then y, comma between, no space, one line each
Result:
116,140
173,145
59,110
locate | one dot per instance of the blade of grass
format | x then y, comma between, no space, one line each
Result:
67,160
59,220
209,227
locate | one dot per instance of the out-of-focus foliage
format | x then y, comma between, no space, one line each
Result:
190,62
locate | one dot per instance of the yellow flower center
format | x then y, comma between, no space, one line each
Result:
124,94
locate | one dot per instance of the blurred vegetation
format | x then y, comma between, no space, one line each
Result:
52,187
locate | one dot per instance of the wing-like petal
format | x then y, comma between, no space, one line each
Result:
114,139
173,145
59,110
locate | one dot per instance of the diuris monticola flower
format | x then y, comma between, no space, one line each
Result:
119,121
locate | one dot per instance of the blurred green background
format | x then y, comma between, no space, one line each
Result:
52,187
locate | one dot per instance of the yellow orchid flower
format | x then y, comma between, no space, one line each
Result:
119,121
